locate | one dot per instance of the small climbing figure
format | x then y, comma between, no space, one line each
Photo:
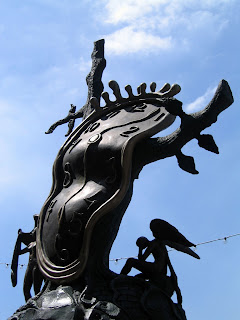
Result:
164,234
33,276
71,122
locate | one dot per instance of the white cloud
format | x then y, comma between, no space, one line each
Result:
82,65
130,10
202,101
128,40
160,21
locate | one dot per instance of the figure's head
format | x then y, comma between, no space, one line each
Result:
142,242
35,217
73,107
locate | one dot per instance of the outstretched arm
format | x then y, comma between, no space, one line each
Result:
154,149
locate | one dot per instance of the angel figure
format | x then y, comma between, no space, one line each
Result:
156,272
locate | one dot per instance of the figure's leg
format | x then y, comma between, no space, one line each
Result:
37,279
145,267
28,281
128,266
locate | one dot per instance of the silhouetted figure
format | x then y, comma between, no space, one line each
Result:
33,276
156,272
71,122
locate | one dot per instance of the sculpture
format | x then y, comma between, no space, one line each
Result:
33,276
156,272
93,178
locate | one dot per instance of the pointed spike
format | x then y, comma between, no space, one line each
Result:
207,142
153,86
186,163
165,88
105,96
138,90
115,88
175,89
95,103
128,88
142,88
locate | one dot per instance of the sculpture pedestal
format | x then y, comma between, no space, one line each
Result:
122,298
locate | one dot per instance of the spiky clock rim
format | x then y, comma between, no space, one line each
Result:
165,92
58,273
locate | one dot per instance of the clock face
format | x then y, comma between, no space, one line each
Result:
91,176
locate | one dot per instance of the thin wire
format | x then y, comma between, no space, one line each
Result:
21,265
220,239
198,244
125,258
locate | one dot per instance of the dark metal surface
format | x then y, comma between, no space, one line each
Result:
93,177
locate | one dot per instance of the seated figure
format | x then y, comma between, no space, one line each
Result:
164,234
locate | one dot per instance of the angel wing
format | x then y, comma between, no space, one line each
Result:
164,231
182,248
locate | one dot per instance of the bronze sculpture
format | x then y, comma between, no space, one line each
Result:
156,272
93,177
33,276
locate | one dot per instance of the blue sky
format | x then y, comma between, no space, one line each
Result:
44,59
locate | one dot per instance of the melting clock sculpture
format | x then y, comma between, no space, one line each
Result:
93,178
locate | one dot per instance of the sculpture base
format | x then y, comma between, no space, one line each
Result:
122,298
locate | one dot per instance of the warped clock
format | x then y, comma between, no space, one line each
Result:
92,175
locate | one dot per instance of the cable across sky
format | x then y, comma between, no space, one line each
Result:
125,258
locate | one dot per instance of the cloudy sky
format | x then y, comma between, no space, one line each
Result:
44,59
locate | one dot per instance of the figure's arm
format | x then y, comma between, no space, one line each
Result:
24,250
147,252
140,254
69,117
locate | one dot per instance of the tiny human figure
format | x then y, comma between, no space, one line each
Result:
71,122
164,234
33,276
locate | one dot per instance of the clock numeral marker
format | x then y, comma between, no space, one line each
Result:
128,132
50,209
